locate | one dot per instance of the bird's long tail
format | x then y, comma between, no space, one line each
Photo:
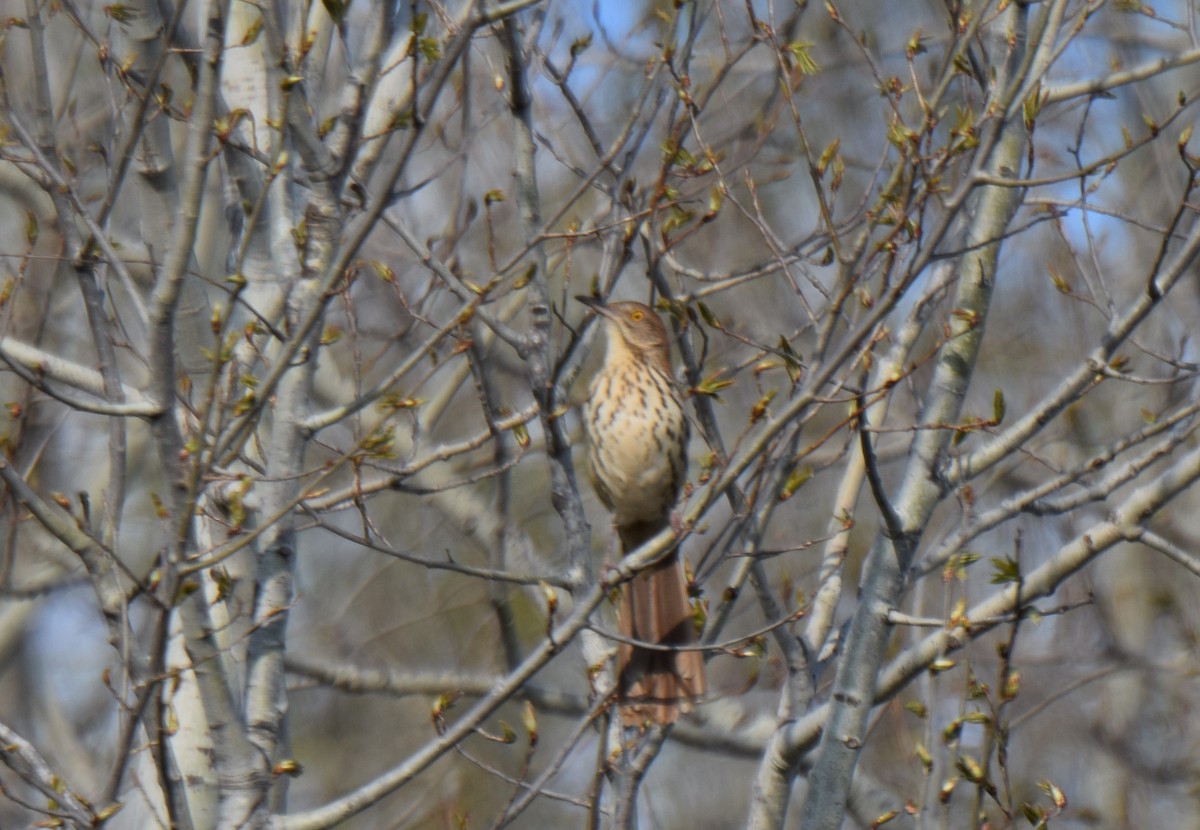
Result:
655,685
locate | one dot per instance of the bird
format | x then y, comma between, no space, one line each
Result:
637,434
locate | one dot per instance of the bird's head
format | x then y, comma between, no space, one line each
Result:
638,327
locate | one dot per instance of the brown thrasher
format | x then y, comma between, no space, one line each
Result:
637,445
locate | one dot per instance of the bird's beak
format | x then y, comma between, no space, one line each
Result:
596,305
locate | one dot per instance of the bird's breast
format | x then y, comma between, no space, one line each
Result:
637,442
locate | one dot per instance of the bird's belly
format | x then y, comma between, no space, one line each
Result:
641,484
637,456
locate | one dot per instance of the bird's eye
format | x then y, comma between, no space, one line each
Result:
636,316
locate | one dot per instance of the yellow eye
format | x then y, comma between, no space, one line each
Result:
636,316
